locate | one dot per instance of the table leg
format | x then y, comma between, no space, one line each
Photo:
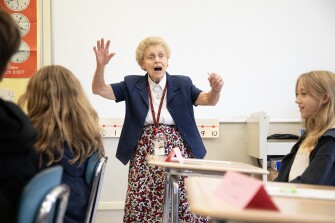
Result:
174,198
167,198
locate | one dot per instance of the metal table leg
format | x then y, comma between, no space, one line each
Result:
171,197
167,197
174,198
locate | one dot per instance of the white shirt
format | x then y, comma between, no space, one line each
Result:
156,94
300,163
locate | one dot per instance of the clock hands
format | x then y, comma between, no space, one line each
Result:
17,5
18,22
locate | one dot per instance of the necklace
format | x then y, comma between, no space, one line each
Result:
156,120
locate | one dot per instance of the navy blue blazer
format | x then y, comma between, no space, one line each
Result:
181,96
321,168
74,177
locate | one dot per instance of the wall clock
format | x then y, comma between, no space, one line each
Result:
22,54
23,23
17,5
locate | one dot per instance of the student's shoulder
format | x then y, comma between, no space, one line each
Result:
16,125
330,133
327,141
9,110
8,104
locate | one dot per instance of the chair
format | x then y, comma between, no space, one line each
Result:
44,198
94,175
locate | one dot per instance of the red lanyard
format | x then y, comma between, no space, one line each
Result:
156,121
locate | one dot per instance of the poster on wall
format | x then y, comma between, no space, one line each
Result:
24,63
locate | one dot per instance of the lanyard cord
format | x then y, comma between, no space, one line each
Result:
156,121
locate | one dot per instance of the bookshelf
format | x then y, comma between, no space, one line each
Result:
257,144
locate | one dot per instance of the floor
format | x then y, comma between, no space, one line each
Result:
109,216
115,216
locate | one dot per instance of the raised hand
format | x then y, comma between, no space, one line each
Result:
216,82
102,52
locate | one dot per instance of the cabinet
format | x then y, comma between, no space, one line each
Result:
257,144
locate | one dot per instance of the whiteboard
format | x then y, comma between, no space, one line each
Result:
259,47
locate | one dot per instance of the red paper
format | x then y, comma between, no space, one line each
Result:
175,152
244,192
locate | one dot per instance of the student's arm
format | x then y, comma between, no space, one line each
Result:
102,58
212,97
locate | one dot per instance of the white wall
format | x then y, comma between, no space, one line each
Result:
259,46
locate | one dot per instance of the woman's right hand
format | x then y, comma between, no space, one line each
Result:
102,52
103,57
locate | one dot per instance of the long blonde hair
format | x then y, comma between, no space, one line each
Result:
60,111
319,84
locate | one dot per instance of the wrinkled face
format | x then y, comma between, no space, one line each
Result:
308,104
155,62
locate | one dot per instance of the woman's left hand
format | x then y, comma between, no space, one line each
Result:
216,82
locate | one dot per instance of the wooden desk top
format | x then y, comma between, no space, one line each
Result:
202,200
205,165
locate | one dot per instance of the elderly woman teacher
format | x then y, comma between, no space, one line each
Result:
159,116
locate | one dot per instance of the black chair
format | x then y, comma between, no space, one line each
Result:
94,175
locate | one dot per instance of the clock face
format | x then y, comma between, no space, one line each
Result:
22,54
23,23
17,5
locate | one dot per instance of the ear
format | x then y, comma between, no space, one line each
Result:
325,98
142,67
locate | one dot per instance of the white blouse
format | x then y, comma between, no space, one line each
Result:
156,94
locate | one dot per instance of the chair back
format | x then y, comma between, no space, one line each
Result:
94,175
44,198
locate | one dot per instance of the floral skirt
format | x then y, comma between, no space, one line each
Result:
145,193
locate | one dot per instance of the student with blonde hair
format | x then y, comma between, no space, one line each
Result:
312,159
68,130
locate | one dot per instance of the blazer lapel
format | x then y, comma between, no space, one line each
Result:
172,88
142,87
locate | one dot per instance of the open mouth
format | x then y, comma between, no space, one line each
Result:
158,69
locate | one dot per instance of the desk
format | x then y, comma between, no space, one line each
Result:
174,169
202,200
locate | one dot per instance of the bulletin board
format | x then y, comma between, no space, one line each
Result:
259,47
25,62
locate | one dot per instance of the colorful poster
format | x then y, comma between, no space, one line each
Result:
24,63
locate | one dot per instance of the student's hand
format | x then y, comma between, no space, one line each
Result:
216,82
102,52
